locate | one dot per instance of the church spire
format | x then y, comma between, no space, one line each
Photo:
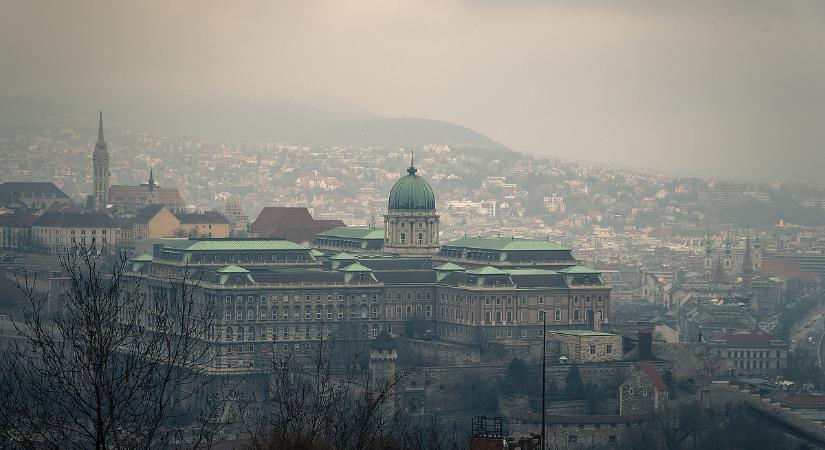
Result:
747,262
151,180
100,129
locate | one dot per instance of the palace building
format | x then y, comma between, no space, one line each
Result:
277,294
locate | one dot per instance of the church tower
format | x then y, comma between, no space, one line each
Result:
747,263
102,178
411,223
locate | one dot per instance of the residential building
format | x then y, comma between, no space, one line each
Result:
32,195
750,353
58,232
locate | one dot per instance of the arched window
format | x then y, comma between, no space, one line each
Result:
228,333
509,316
403,238
239,314
250,314
250,334
575,314
487,316
274,332
239,334
263,312
374,330
363,311
498,316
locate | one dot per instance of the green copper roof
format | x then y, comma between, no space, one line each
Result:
412,192
504,243
315,252
142,258
487,270
354,233
236,244
579,269
233,269
449,267
356,267
343,256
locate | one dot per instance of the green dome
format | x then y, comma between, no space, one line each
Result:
412,192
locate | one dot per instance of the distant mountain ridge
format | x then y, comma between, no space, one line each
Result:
246,122
397,131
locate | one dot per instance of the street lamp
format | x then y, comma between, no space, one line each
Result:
543,373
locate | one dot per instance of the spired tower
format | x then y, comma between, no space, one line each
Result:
411,223
102,178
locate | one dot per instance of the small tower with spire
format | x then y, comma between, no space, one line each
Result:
708,252
747,262
102,178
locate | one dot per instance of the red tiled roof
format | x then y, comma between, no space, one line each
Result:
653,375
798,400
282,217
748,339
788,269
291,223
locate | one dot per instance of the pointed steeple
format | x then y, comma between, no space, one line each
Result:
100,129
747,261
151,180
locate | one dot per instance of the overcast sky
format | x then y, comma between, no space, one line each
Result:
690,86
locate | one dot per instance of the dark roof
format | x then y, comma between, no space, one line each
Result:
26,188
748,339
598,419
798,400
74,220
299,277
653,375
206,217
146,214
406,276
383,341
17,220
397,263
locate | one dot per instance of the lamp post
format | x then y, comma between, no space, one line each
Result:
543,373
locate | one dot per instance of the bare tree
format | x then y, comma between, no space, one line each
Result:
115,368
313,403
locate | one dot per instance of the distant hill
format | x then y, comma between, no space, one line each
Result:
244,122
391,132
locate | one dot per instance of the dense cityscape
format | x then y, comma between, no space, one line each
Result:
412,225
633,280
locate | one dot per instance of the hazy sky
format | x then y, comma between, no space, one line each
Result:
696,86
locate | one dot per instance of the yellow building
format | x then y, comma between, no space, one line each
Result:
209,224
57,232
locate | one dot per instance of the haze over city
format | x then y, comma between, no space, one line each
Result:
723,89
412,225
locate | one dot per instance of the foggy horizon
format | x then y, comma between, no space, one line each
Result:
698,88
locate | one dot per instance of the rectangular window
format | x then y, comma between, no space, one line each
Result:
609,349
592,349
541,300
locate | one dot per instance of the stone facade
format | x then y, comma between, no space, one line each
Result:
583,346
643,392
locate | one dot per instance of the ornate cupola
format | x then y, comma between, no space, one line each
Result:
411,222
